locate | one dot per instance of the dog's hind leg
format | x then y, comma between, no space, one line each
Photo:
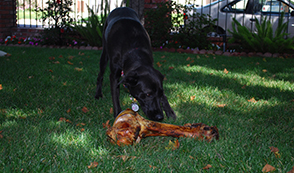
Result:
103,65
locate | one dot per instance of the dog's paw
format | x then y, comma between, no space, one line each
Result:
171,114
97,96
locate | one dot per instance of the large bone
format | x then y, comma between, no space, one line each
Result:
130,127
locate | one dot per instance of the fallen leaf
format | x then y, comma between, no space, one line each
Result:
52,58
153,167
264,59
192,61
40,111
111,111
188,65
207,167
82,129
163,56
226,71
173,145
107,125
70,57
50,70
81,53
1,136
292,170
243,87
70,63
78,69
221,105
68,121
56,62
62,119
93,165
210,73
257,63
1,87
158,64
170,68
192,97
252,100
85,109
268,168
275,151
68,111
125,158
264,70
60,56
191,157
64,83
80,124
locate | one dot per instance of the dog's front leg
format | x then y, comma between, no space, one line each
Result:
114,80
167,109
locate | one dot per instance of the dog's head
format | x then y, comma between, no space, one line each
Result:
146,86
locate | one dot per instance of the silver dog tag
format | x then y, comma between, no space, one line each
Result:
135,107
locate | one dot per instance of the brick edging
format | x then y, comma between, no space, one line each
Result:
188,51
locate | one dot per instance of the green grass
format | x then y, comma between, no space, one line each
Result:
36,93
27,14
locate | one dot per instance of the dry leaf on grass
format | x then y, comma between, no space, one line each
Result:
78,69
207,167
264,70
62,119
125,158
153,167
93,165
111,110
70,63
268,168
173,145
107,125
192,97
292,170
85,109
1,136
275,151
221,105
252,100
82,129
1,87
158,64
226,71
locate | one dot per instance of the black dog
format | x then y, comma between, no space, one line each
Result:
127,45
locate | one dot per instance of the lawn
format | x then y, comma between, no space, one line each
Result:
50,121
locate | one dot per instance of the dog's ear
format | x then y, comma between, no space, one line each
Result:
130,79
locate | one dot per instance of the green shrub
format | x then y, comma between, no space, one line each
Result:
165,25
91,28
58,18
264,40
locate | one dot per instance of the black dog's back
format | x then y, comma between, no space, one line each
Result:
123,23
